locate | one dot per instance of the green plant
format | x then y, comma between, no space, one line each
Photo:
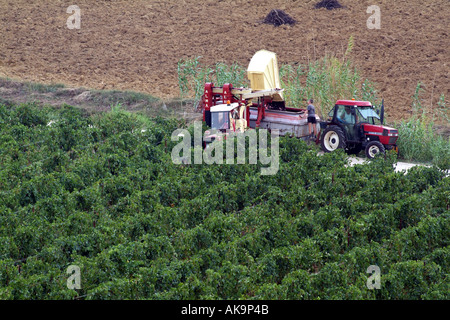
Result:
234,74
97,192
43,88
124,98
418,140
192,76
443,110
326,80
416,101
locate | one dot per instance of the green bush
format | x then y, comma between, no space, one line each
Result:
104,195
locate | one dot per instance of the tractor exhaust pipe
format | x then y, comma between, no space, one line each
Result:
382,112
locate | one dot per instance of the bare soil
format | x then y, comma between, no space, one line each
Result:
136,44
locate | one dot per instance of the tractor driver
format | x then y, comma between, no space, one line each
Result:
347,116
224,120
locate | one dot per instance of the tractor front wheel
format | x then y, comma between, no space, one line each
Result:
332,138
373,148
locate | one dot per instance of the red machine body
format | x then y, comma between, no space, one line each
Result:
261,111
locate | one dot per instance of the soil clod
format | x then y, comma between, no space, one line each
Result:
278,17
328,4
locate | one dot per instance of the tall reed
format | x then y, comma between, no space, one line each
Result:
192,76
418,140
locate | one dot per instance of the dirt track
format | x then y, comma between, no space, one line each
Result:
399,166
135,45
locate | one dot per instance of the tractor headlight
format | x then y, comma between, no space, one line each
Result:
392,133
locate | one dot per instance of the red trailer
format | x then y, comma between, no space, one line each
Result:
263,110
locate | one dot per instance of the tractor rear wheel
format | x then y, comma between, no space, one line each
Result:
332,138
373,148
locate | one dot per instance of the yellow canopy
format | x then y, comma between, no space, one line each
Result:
263,72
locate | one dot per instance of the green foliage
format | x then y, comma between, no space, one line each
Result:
43,88
192,76
418,140
442,110
102,193
326,80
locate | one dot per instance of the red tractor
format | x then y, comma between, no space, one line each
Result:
355,126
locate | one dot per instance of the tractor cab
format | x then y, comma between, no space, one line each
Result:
357,125
225,118
351,115
228,116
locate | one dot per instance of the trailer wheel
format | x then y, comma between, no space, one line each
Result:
332,138
373,148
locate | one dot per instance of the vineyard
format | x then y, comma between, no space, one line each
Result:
100,191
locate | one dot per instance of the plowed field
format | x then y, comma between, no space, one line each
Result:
136,44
